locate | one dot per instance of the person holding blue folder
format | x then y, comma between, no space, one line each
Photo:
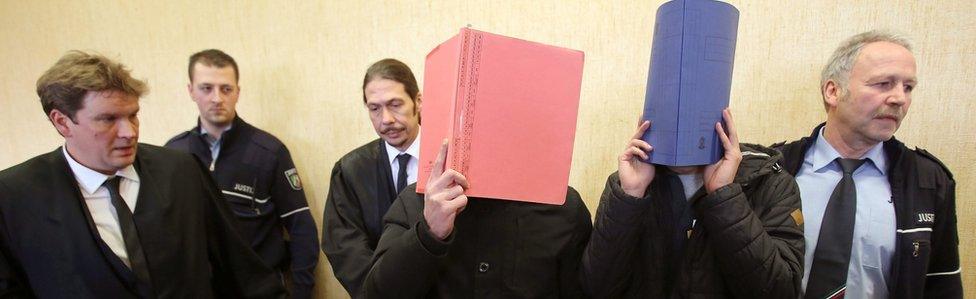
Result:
729,229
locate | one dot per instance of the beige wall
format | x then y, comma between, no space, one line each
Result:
302,65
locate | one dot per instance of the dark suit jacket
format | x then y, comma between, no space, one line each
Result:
50,248
360,193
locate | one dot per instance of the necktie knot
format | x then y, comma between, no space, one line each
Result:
850,165
113,184
403,159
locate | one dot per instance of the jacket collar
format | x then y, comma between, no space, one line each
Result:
90,180
794,152
757,161
229,137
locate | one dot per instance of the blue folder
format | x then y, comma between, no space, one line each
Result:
689,80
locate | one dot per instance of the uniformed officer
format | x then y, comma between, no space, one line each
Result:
253,170
880,217
366,180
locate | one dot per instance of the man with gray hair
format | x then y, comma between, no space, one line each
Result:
880,217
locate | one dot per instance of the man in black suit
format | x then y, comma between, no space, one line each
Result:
366,181
107,217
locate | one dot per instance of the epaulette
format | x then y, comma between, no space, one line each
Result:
926,154
179,136
266,140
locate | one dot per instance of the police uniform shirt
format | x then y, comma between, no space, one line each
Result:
214,144
873,246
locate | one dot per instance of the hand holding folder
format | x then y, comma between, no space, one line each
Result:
508,108
635,175
722,172
445,197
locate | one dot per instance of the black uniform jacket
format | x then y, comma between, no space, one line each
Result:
51,249
498,249
926,260
257,177
360,193
747,241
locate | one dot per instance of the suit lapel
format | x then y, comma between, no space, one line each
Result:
69,200
68,195
386,190
150,204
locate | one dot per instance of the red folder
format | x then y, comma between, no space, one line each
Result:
509,108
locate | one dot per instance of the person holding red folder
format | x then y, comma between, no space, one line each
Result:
443,244
729,229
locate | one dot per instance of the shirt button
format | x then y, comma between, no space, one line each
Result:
483,267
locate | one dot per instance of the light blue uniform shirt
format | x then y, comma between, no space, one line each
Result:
214,145
874,223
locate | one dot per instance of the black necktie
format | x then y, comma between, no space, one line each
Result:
137,259
828,274
403,159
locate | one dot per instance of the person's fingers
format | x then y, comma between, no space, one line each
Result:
634,152
725,138
640,144
641,129
439,162
730,125
452,192
457,203
457,178
448,178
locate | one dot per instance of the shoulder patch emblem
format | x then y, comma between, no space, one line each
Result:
797,216
293,179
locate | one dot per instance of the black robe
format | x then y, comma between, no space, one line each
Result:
51,249
360,193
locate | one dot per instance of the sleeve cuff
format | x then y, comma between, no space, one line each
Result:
430,243
720,195
613,183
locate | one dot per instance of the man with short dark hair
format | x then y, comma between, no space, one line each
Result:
107,217
880,218
253,170
365,181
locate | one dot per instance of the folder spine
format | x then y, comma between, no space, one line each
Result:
467,91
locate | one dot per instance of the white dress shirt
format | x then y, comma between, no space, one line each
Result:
414,151
99,201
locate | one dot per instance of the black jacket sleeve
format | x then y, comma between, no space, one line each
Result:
758,242
238,272
408,256
292,208
943,279
344,237
608,259
12,283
